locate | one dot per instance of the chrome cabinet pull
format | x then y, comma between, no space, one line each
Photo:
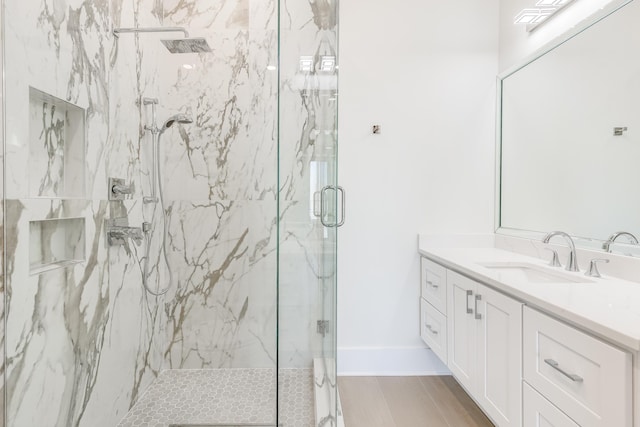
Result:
430,328
556,366
475,305
430,283
469,309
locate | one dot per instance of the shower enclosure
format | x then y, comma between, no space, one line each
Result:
212,301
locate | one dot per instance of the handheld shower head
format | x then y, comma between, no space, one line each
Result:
180,118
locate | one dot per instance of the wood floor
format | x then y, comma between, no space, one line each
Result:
435,401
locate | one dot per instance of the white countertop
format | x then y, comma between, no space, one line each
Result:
607,307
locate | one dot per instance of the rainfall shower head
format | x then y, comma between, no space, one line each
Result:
180,118
194,45
185,45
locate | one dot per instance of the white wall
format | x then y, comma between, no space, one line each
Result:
425,72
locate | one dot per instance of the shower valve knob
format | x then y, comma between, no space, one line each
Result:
118,189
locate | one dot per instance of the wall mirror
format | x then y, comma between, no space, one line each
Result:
569,136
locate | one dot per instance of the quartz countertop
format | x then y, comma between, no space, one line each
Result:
607,307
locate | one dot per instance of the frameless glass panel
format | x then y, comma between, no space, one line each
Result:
309,211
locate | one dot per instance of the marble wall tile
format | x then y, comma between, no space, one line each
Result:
210,15
220,176
221,311
69,330
83,342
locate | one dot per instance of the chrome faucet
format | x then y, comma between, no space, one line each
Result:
572,262
607,245
119,232
118,235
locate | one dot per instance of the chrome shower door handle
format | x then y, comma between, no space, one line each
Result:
342,206
323,200
323,203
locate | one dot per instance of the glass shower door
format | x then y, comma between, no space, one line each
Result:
310,211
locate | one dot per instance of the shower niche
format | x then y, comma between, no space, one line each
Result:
56,147
55,243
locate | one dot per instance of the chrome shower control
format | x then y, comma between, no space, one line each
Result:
118,189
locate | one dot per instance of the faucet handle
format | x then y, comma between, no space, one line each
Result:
593,267
554,262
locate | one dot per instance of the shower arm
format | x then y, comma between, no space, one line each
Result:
118,31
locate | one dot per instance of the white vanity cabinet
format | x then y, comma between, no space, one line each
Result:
433,307
587,379
522,366
484,330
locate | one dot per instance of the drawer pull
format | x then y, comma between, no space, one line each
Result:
556,366
430,283
469,309
478,298
430,328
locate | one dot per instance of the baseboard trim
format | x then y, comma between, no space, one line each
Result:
389,361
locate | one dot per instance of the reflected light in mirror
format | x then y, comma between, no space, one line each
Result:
544,9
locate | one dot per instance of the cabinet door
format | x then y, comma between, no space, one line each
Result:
433,329
434,284
586,378
499,346
461,329
539,412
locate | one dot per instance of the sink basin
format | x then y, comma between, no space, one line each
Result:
532,273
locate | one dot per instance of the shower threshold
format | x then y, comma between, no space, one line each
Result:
222,425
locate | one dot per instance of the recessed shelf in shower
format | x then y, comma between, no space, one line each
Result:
55,243
56,147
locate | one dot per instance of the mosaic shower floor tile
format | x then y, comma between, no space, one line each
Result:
225,398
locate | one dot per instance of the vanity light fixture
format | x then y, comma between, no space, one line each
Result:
535,16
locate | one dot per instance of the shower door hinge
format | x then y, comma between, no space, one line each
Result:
322,327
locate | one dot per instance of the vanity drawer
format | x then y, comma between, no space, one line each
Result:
584,377
434,284
539,412
433,329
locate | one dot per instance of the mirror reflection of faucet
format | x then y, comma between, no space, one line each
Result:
612,239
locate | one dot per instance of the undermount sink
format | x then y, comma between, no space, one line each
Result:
532,273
